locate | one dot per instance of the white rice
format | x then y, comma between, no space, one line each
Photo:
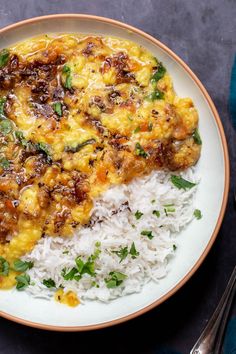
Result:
112,220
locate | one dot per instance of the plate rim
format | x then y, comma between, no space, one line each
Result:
226,174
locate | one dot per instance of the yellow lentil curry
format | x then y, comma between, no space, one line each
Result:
77,115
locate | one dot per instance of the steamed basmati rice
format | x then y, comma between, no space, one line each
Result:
114,225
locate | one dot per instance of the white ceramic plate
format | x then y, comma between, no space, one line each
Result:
212,193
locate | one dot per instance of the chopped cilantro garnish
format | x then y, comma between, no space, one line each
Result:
4,266
94,256
140,151
198,214
57,108
115,279
81,268
153,201
5,126
2,104
44,148
21,266
196,137
65,252
157,213
4,57
49,283
158,74
68,79
147,233
174,247
138,214
69,275
87,267
78,147
181,183
155,95
20,136
136,130
169,208
133,252
150,126
129,118
122,253
4,163
23,281
95,284
66,69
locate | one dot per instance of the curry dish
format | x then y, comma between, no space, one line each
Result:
77,115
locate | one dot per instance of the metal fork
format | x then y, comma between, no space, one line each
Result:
211,339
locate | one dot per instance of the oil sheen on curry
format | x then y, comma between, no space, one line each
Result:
77,115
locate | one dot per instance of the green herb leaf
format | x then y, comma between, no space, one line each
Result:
21,266
115,279
155,95
68,80
140,151
4,57
181,183
129,118
68,83
69,275
138,214
158,74
198,214
95,284
174,247
20,137
44,148
23,281
79,146
81,268
65,252
133,252
157,213
66,69
88,267
122,253
150,126
147,233
49,283
58,108
196,137
136,130
4,163
96,254
169,208
153,201
4,266
5,126
2,105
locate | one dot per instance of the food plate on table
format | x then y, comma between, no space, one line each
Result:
114,172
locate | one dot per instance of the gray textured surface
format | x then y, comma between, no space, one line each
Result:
203,33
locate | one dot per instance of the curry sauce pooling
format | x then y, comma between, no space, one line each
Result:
77,115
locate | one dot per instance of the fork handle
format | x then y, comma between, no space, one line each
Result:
212,336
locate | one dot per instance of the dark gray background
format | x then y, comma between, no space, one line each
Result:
203,34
